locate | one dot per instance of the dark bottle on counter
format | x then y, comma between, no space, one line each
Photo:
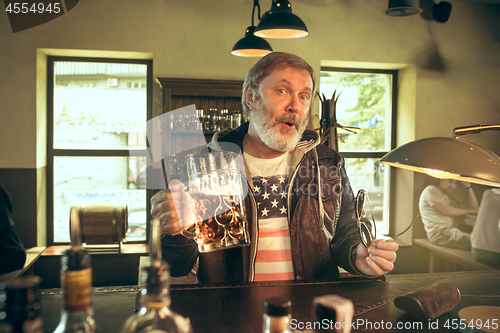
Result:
77,312
277,315
153,311
332,313
20,306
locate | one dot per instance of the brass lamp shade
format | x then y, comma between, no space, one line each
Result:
446,158
280,22
251,45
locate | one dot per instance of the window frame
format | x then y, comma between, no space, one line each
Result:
54,152
393,128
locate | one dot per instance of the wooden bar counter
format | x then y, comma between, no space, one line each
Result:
238,308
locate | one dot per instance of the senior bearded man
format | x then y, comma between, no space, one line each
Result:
312,228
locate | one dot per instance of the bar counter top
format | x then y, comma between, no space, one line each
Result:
238,308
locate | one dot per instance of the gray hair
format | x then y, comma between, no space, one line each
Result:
267,64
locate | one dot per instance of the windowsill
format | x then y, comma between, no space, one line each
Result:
126,249
32,255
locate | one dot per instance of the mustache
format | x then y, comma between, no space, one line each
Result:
293,118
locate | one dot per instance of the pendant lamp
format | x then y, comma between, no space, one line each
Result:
280,22
402,8
251,45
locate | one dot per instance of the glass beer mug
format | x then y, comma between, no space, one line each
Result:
218,193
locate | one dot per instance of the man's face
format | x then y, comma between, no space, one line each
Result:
447,185
280,108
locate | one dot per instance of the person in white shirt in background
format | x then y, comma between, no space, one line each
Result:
485,237
438,211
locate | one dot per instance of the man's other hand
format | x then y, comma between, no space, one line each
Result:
378,259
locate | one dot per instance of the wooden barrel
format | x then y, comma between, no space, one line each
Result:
103,224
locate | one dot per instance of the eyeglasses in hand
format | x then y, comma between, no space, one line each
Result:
364,230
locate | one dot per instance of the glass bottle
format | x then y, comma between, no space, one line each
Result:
154,314
277,315
20,306
77,312
199,123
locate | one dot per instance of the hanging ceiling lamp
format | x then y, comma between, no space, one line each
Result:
280,22
251,45
402,8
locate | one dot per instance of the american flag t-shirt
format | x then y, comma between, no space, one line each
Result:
270,184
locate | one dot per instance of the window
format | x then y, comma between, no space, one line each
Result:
95,122
366,101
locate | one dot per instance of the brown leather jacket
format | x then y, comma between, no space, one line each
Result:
317,247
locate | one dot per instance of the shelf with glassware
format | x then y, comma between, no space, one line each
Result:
218,102
182,128
219,107
209,122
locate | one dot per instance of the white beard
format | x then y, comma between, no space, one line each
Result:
276,139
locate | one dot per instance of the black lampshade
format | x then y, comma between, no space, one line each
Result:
280,22
402,8
251,45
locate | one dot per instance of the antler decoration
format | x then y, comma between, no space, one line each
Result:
328,120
